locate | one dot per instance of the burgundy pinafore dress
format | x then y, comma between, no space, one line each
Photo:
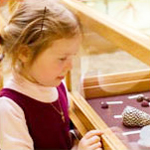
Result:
44,123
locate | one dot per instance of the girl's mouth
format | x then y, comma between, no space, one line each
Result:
61,77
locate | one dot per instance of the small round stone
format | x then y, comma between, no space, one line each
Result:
140,98
145,104
147,99
104,105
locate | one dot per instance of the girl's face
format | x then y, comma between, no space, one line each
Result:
52,65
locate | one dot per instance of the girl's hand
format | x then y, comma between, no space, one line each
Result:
91,141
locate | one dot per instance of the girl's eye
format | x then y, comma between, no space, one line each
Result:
63,59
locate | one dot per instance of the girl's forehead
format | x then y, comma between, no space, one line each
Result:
65,46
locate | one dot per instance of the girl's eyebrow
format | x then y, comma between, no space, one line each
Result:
71,53
68,54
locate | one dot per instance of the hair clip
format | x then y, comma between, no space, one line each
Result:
43,19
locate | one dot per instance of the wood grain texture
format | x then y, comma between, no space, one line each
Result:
94,80
116,84
117,88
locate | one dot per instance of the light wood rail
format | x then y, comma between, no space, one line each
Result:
116,84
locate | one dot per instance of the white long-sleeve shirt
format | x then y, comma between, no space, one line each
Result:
14,133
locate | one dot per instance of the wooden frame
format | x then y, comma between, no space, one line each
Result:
116,84
83,116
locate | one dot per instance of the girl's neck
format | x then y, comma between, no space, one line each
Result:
21,71
34,90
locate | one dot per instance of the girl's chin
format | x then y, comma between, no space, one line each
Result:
54,84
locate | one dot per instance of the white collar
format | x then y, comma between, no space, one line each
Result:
38,92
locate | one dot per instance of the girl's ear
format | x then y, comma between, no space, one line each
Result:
24,55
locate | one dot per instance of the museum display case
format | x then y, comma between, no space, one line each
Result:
113,69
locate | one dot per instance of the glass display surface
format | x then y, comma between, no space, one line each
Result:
98,55
133,13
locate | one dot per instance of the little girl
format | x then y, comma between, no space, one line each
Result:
40,39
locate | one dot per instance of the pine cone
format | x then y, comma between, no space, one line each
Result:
133,117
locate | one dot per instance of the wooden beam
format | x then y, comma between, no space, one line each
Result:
116,88
96,80
130,40
116,84
68,81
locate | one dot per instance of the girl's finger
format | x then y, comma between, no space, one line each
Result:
92,133
96,146
93,140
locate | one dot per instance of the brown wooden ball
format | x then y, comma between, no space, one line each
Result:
104,105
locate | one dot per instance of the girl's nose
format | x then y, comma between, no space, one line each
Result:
69,64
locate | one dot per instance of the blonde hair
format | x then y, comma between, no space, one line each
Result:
37,24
